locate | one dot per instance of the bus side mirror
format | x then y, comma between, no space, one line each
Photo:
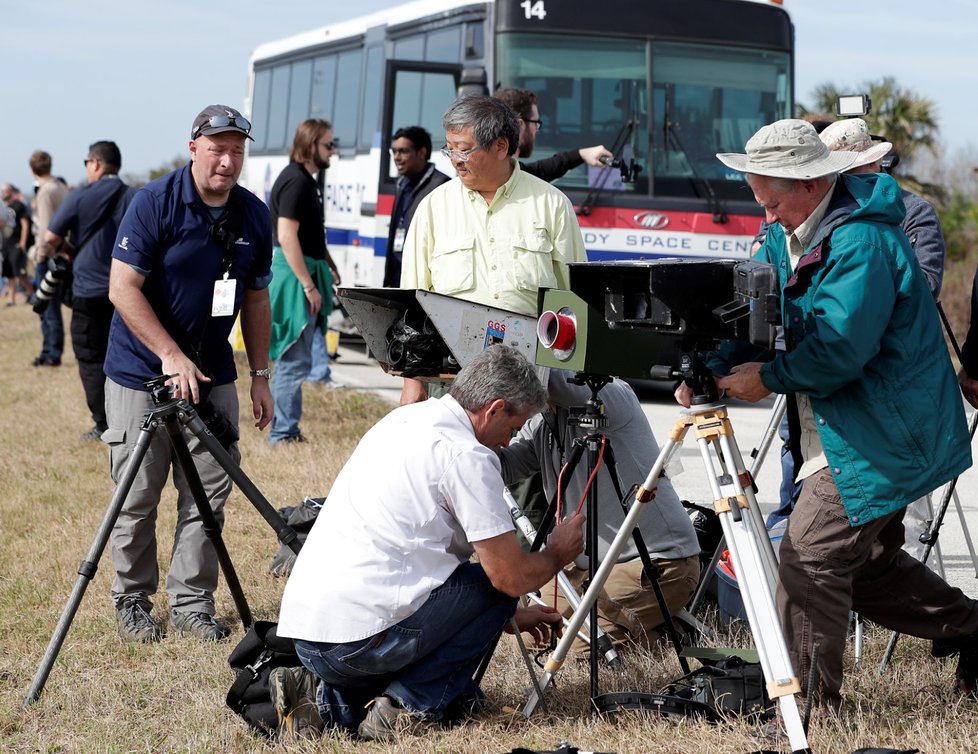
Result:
473,81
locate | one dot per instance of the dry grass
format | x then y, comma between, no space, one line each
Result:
103,696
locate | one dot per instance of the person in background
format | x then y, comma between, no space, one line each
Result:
524,104
411,152
83,230
15,244
303,273
50,193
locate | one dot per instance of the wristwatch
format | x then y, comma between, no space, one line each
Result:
266,373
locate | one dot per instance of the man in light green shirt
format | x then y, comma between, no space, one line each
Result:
496,235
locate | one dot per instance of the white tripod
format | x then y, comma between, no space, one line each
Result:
750,551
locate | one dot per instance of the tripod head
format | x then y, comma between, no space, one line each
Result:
591,414
159,391
693,372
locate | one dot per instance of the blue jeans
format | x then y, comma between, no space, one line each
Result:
320,371
52,325
790,489
425,662
289,373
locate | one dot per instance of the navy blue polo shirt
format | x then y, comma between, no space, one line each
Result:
166,234
81,210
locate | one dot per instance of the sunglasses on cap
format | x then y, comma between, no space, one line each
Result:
221,121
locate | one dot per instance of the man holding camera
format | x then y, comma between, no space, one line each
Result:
193,249
82,232
876,415
384,603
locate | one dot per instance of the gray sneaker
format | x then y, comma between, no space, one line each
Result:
293,692
135,622
201,625
385,720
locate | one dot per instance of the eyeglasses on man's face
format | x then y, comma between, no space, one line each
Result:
330,145
90,159
534,122
220,121
459,155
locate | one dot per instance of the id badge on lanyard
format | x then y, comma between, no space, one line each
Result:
223,303
399,234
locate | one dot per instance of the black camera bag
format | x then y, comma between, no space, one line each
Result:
258,652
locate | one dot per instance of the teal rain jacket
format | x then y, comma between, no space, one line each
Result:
864,342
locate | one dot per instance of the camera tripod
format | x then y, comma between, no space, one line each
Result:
750,551
592,417
170,414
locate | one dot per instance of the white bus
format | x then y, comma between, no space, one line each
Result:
664,83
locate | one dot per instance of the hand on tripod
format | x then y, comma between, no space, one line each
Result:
566,540
539,621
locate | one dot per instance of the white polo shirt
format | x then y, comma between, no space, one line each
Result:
400,518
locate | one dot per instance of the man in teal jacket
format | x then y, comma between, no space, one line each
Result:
876,413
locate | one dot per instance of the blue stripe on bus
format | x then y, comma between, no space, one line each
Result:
342,237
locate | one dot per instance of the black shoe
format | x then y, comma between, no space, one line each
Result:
293,438
93,435
46,361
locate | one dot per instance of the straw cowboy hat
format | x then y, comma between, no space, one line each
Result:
788,149
852,135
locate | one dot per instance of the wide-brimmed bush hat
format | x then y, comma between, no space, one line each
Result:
852,135
788,149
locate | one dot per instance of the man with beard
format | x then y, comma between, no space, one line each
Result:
303,273
411,152
524,104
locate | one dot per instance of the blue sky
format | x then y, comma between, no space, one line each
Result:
137,72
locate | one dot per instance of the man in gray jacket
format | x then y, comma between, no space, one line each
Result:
627,608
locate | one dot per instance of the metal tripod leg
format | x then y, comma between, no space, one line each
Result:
758,456
88,567
563,583
164,412
590,597
209,524
753,560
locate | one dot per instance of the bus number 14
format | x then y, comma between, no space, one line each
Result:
534,9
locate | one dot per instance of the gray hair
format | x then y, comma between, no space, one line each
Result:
499,372
490,118
790,185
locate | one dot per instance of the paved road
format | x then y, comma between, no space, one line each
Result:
749,422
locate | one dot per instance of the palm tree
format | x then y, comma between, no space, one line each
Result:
903,117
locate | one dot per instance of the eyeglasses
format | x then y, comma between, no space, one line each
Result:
220,121
534,122
403,150
328,144
90,159
459,155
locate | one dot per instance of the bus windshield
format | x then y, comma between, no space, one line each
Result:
595,90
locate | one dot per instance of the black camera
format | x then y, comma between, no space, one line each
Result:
216,422
59,268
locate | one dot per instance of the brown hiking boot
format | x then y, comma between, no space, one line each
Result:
385,719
